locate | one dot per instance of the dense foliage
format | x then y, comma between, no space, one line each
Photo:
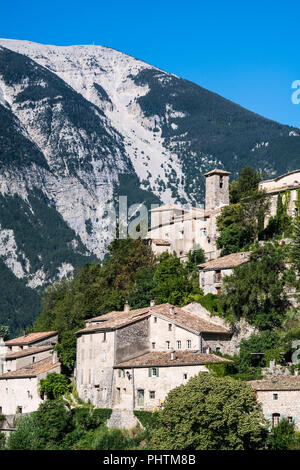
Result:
130,271
242,221
54,426
53,386
255,291
210,413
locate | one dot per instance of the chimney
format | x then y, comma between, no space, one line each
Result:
173,357
152,303
54,357
126,307
172,310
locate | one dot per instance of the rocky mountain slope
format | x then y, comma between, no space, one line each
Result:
80,126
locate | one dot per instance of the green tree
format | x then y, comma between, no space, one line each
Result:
4,332
255,290
95,289
295,244
210,413
246,184
233,239
283,436
254,351
54,386
242,221
141,291
171,280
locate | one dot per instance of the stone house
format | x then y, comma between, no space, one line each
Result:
24,361
288,185
212,272
179,229
280,397
143,382
149,337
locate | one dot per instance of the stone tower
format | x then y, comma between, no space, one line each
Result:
217,189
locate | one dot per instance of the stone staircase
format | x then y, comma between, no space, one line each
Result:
122,419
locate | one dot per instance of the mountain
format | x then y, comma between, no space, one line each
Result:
81,125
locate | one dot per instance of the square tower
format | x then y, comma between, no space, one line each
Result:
216,189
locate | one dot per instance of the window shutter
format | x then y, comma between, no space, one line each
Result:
149,372
157,372
119,372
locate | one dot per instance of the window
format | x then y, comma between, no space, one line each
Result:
104,336
152,394
185,376
290,419
155,319
118,394
33,359
221,182
153,372
178,344
189,344
153,345
275,419
19,409
168,344
275,396
218,349
170,326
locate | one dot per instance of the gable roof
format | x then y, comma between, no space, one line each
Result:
31,338
31,370
216,171
27,352
164,359
182,318
289,382
226,262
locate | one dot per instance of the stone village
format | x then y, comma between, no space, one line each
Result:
130,360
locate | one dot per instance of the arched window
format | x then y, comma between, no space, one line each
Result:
275,419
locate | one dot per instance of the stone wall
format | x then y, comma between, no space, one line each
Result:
132,340
286,405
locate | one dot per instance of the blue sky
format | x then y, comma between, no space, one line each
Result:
247,51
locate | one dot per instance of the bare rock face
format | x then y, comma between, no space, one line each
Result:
240,330
82,125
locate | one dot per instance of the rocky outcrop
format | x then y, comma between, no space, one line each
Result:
123,419
240,330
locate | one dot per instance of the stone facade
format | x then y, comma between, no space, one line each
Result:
288,185
280,397
179,229
212,272
105,373
24,361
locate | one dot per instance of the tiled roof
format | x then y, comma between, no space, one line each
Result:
217,172
152,359
180,318
276,383
31,338
226,262
27,352
32,370
160,242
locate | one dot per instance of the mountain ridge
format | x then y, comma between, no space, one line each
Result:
82,125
